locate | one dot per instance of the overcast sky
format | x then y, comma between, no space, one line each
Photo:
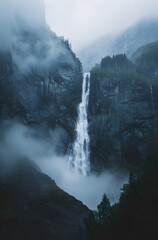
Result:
83,21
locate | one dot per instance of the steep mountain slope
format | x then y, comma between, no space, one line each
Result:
123,113
127,42
40,80
33,207
146,59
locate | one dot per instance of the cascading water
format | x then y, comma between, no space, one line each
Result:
152,98
79,158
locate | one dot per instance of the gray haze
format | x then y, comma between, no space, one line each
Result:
128,41
15,14
21,141
25,34
83,21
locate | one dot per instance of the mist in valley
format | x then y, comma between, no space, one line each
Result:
22,142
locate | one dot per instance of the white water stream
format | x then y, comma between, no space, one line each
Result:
80,153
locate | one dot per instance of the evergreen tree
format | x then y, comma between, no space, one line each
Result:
103,209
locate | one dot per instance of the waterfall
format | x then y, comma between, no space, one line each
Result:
80,154
152,98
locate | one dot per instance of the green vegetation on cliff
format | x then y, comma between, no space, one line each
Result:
113,66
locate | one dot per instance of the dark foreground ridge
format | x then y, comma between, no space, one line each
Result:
135,216
33,207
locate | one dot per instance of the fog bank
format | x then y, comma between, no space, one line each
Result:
25,35
84,21
21,141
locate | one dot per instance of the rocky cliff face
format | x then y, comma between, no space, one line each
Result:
40,81
122,113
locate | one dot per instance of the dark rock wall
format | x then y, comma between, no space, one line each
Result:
44,96
122,115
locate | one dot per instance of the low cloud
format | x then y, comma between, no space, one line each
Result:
21,141
88,189
25,34
84,21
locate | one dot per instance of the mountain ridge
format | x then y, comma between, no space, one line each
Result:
145,31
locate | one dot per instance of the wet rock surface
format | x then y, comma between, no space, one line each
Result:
123,113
